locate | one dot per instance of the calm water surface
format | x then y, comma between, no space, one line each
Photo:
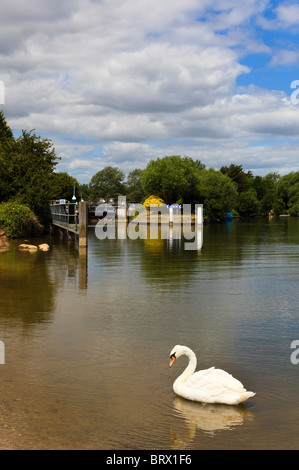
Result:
87,340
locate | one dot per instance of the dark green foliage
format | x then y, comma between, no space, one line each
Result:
134,190
6,134
288,190
182,180
27,164
173,178
32,163
236,173
62,186
17,220
218,194
248,204
107,184
84,192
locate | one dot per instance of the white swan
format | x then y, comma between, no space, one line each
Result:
207,386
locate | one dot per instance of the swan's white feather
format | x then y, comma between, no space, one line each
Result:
213,386
210,386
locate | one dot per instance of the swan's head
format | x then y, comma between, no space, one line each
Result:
176,352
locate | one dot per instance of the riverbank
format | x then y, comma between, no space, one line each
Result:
4,244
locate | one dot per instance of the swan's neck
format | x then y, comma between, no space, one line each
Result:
190,369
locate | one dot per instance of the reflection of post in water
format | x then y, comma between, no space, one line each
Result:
83,274
174,236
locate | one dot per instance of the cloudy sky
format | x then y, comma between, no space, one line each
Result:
119,82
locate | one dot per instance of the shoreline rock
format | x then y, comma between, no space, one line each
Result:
25,247
44,247
4,244
33,248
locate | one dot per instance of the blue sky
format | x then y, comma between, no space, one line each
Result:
119,82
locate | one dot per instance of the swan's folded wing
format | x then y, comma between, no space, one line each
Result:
212,383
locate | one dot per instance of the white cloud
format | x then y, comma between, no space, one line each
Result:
284,16
288,14
284,57
116,82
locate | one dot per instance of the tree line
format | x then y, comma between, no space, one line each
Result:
28,177
28,181
183,180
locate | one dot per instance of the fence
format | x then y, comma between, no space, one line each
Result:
65,216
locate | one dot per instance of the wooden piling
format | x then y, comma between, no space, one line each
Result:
83,224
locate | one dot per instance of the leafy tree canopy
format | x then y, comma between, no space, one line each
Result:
236,173
173,178
107,184
26,167
218,194
62,186
134,189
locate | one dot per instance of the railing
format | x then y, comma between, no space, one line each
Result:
65,215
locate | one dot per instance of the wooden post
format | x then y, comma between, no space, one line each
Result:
83,271
83,223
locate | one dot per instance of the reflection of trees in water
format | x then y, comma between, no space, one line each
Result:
160,260
167,262
29,282
26,290
207,418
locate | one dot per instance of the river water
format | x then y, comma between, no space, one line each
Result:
87,340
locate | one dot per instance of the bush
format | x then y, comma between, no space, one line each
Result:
248,205
294,210
17,220
218,194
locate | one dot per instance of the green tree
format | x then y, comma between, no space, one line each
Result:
84,191
107,183
62,186
33,160
173,178
26,167
288,191
6,143
242,179
218,194
293,193
6,134
5,183
134,189
266,189
248,204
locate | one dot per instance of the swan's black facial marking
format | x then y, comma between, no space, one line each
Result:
172,359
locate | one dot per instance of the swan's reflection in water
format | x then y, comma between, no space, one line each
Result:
209,418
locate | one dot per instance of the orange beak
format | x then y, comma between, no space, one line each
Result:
172,359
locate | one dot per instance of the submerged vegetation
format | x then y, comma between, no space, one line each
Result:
28,181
